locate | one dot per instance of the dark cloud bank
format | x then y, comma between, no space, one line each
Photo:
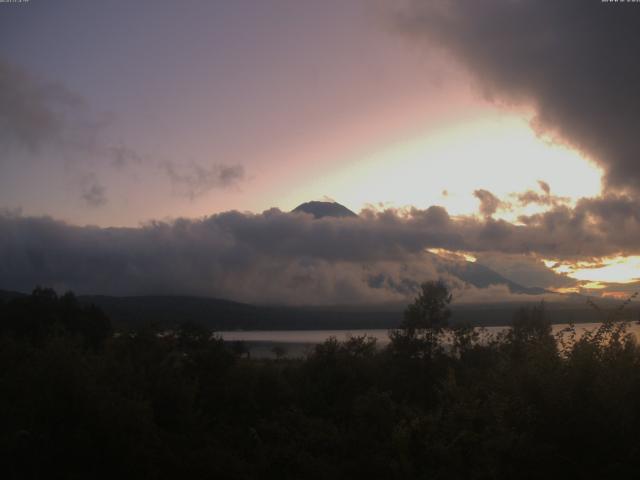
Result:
574,61
293,258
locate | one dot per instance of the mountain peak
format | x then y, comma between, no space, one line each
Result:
324,209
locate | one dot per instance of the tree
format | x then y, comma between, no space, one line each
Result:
424,320
279,351
430,310
43,314
239,349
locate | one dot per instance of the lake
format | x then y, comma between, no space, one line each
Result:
297,343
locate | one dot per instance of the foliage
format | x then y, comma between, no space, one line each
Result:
41,314
424,320
430,309
183,404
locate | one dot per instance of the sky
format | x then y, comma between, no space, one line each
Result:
157,147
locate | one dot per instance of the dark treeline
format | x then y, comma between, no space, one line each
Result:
78,400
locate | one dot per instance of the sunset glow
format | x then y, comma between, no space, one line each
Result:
620,269
320,239
173,148
441,252
443,167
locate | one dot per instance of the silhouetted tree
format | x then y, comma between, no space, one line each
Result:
240,349
42,314
279,351
424,320
430,310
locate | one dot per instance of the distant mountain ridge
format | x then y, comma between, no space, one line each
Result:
217,314
481,276
324,209
6,295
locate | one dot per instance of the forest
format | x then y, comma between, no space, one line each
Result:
80,399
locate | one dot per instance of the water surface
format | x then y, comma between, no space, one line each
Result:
299,342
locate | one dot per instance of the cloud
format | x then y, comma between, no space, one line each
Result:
195,179
94,193
489,203
229,255
287,258
544,186
33,112
42,120
468,294
574,62
546,198
527,270
123,156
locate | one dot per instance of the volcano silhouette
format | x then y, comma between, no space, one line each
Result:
324,209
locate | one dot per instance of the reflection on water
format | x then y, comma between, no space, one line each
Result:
297,343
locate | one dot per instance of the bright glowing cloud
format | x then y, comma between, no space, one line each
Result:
618,269
442,252
500,153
